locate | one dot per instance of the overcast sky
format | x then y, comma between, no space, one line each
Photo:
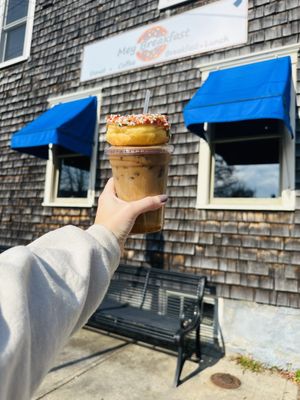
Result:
263,179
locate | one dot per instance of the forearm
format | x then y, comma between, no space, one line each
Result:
47,291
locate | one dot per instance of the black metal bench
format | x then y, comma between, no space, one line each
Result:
159,307
3,248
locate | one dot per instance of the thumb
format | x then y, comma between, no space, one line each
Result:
149,203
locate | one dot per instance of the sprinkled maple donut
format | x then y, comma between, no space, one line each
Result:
137,129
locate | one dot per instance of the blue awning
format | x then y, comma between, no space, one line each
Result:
250,92
70,125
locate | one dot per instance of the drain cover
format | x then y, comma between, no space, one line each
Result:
225,381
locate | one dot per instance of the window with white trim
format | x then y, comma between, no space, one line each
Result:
246,165
70,177
16,22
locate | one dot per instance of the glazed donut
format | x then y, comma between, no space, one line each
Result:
137,130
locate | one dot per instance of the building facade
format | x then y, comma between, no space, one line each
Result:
248,245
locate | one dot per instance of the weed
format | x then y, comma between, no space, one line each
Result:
248,363
297,376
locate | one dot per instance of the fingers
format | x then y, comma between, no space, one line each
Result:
139,206
149,203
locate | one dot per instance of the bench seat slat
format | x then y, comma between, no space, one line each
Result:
141,317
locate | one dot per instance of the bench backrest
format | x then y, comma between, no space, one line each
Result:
3,248
128,285
164,292
173,294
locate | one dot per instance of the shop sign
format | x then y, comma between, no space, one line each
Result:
215,26
169,3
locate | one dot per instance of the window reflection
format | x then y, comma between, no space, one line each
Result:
73,176
14,42
16,9
248,169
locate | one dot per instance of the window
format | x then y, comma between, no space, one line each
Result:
178,304
16,21
70,177
73,174
248,164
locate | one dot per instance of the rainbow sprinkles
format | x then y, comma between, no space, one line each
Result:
138,119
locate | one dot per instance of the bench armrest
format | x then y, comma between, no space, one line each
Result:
196,308
188,324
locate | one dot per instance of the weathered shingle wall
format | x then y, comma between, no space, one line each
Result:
247,255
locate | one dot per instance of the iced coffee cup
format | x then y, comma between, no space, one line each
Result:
140,170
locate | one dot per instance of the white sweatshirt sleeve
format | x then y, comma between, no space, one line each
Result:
48,290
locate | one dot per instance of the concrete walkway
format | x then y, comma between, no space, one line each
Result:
101,367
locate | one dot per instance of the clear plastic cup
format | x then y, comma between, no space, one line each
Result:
139,172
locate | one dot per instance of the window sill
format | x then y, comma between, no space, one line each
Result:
13,61
248,207
69,204
287,202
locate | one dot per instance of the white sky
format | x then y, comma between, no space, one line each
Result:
264,179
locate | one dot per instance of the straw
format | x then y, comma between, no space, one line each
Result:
146,104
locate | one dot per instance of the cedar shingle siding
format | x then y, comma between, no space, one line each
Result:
247,255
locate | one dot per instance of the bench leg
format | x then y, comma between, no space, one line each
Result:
198,343
180,361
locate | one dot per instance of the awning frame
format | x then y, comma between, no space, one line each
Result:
69,124
290,50
253,91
